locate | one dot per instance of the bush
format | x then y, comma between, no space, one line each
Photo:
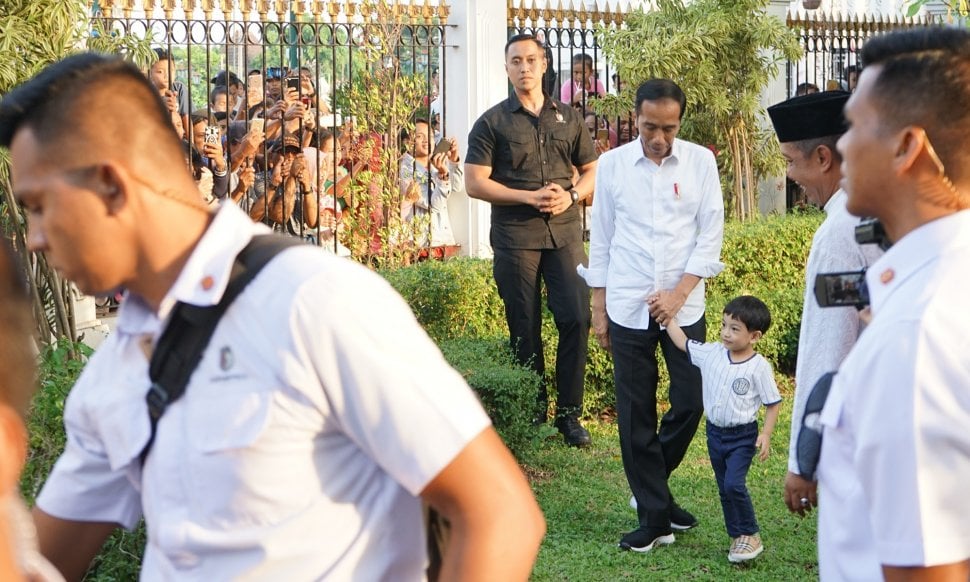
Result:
454,298
507,390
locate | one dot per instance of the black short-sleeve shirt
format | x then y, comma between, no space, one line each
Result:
527,152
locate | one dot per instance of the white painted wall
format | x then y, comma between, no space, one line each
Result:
475,80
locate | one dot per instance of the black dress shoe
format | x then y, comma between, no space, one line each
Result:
573,432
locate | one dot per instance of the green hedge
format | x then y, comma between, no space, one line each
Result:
765,258
507,390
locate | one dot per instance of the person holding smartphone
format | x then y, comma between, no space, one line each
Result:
427,179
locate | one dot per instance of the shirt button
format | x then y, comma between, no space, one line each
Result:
207,282
887,276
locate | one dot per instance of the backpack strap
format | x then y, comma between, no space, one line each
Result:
190,327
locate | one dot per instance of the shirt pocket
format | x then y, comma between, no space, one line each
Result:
561,144
228,421
520,149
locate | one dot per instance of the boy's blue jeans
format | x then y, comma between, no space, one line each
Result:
731,451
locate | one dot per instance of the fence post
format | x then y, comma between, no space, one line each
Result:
475,81
771,190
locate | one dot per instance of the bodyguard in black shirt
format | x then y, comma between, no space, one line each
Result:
522,157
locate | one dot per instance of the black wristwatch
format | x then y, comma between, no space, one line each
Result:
574,195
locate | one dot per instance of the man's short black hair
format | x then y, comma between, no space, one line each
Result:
582,58
524,37
657,89
924,80
750,311
46,103
226,79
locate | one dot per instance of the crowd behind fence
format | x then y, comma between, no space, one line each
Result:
260,84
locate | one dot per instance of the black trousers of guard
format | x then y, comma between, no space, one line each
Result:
650,457
518,275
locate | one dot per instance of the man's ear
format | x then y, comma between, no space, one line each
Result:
824,157
110,185
909,144
13,449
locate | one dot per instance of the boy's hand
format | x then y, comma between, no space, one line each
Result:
764,445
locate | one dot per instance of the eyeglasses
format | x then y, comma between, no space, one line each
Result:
274,73
808,449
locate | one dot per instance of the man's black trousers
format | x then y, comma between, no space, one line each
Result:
648,457
518,273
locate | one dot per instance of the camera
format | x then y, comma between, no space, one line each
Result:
871,231
845,289
848,288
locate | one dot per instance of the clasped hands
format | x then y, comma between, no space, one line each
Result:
551,198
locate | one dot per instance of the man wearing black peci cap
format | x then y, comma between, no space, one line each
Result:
808,128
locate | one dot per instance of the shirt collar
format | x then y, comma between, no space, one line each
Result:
547,102
635,152
914,250
205,276
837,200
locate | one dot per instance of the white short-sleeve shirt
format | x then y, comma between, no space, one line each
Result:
733,391
318,413
895,458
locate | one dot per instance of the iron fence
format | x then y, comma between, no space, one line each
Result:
831,45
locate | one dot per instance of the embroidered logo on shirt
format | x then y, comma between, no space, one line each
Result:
226,359
740,386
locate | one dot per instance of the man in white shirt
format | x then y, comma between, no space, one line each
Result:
808,128
655,236
895,457
307,437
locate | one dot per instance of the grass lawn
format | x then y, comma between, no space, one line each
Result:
585,498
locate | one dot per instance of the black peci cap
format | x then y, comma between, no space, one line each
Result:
809,116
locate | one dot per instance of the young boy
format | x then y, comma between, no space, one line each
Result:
737,381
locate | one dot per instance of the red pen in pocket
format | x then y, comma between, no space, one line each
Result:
676,191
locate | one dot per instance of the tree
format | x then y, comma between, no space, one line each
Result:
383,102
32,36
723,54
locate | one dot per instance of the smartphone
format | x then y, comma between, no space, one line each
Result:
257,124
293,83
256,83
443,147
602,135
844,289
212,134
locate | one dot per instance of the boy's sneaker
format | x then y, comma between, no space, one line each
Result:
645,538
681,519
745,548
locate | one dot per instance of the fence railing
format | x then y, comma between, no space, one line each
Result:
831,45
234,58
